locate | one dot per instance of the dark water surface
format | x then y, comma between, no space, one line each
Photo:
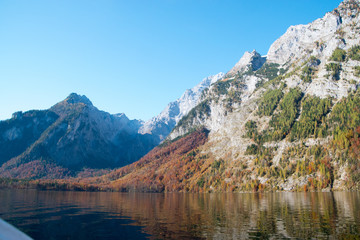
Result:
85,215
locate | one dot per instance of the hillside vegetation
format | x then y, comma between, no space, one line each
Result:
289,121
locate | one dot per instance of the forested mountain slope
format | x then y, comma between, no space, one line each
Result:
290,121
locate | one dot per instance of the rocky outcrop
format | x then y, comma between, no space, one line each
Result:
161,125
320,37
215,102
250,61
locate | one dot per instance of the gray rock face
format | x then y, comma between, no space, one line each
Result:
249,61
216,102
319,37
298,39
162,124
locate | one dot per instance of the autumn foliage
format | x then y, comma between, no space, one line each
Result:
169,168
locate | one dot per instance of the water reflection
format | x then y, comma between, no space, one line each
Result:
81,215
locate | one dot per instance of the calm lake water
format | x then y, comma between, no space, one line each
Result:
85,215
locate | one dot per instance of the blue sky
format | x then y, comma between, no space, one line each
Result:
131,56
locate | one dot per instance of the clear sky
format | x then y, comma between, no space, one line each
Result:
131,56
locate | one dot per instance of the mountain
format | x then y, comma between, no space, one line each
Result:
74,138
288,121
250,61
70,136
161,125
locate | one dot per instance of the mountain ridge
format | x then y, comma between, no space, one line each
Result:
293,124
289,122
80,139
162,124
78,135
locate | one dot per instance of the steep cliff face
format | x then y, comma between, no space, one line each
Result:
223,96
321,37
70,136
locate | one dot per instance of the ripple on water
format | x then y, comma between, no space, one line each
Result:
81,215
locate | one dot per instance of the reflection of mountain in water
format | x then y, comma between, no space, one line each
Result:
183,216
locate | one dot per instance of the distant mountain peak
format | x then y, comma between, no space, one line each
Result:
249,61
121,115
74,98
162,124
74,102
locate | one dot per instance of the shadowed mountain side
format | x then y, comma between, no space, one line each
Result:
68,137
19,132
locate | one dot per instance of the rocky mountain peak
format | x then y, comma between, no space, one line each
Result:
249,61
74,98
121,116
73,103
321,37
162,124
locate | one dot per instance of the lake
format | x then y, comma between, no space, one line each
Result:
102,215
